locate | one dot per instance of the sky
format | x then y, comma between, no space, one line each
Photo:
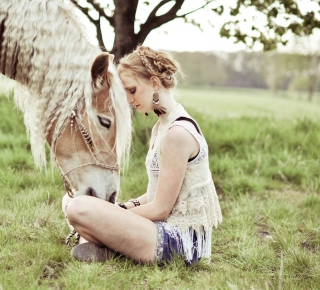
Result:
180,36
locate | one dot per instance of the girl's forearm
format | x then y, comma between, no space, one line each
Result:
150,211
142,200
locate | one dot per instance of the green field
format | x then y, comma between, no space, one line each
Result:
234,103
264,161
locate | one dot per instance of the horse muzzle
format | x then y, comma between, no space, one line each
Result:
108,197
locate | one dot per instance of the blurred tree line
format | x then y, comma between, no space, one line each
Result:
280,18
272,70
297,72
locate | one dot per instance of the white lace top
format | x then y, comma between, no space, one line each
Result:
152,156
197,207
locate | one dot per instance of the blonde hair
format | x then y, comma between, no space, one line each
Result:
53,70
144,62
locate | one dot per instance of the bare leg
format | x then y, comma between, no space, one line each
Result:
65,202
104,223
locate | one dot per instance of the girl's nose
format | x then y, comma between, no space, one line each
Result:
130,99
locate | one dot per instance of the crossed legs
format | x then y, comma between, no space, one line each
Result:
104,223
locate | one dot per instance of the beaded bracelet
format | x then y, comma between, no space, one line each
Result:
121,204
135,202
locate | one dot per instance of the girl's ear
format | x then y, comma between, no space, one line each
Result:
155,83
99,70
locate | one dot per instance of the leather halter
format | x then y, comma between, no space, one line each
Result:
88,141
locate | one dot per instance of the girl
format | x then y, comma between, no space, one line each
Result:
177,213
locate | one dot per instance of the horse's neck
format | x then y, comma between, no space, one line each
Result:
31,50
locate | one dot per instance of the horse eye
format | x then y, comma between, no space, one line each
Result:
104,122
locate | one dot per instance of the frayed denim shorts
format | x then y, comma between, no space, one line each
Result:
170,244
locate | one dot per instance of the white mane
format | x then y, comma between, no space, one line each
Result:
45,48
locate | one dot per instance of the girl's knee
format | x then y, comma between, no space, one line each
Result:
65,201
76,209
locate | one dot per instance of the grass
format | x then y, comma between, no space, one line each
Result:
236,102
264,161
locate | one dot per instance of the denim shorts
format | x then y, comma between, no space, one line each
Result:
170,244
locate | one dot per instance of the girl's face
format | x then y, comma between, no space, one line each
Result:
139,92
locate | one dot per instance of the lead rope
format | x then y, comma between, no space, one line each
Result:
72,234
68,238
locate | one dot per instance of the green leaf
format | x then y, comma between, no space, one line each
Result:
273,12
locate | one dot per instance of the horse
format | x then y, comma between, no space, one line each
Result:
69,93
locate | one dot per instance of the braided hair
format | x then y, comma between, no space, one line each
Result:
144,62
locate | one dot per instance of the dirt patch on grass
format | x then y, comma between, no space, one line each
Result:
265,235
288,193
311,243
51,270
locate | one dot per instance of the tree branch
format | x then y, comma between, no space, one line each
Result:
204,5
85,11
154,21
95,22
101,12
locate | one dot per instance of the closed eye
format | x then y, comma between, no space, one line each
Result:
105,122
132,91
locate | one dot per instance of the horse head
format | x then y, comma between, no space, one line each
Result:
69,93
86,151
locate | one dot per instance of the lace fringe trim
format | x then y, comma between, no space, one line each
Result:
186,246
202,246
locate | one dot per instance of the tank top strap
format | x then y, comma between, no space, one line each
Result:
196,133
190,120
190,128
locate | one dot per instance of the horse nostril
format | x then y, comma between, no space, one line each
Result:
91,192
112,197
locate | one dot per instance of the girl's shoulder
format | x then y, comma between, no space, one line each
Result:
178,136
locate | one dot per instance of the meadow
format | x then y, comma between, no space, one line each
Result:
264,158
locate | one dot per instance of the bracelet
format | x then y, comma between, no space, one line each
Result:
135,202
121,204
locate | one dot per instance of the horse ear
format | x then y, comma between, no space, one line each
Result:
99,69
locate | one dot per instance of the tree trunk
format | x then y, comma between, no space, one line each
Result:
124,17
99,37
